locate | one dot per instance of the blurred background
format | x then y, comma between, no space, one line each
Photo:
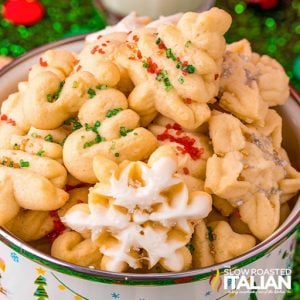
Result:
272,27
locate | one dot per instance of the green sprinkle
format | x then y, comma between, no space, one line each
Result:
117,154
24,164
75,85
181,79
135,133
89,144
210,233
50,98
190,69
191,247
168,85
113,112
11,164
146,65
170,54
157,42
91,93
124,131
178,65
40,153
162,75
48,138
57,94
102,87
188,44
16,146
98,139
74,122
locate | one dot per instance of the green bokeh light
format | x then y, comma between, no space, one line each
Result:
270,23
240,8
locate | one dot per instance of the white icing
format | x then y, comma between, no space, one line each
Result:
175,208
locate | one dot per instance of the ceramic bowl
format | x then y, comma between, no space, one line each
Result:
26,273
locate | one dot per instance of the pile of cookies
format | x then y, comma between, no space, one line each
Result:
149,150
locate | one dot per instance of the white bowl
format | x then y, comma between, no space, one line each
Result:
21,265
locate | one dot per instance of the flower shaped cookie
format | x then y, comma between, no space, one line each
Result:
140,214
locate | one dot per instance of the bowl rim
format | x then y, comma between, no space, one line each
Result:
264,247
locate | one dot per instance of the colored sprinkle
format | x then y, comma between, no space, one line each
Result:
117,154
113,112
74,122
91,92
75,85
135,38
55,96
185,141
24,164
123,131
170,54
48,138
189,68
43,63
186,171
102,87
40,153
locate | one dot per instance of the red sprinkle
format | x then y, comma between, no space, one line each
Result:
104,44
4,118
8,120
188,101
76,62
43,63
108,41
101,51
99,37
139,54
78,68
135,38
152,68
59,227
185,141
186,171
94,50
161,45
216,76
